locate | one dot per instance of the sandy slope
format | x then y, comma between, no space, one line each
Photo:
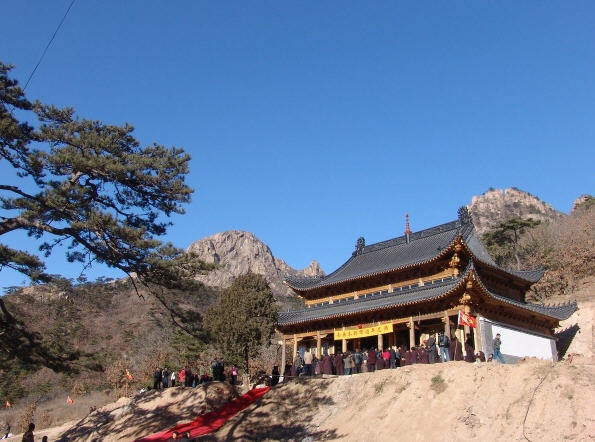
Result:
442,402
474,402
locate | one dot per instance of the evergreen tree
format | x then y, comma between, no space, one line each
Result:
503,241
92,187
244,320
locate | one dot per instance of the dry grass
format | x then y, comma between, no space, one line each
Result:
566,248
55,411
438,384
27,416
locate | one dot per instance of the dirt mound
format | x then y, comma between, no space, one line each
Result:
144,414
454,401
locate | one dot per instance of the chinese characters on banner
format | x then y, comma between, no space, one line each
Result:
363,332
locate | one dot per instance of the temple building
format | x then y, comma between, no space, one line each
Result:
398,292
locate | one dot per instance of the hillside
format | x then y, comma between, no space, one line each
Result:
89,329
496,206
442,402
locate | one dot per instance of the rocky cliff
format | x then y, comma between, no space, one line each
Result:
237,252
497,205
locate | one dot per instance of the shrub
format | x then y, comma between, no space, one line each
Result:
438,384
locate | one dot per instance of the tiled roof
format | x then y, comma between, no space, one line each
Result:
411,296
397,253
560,312
387,255
377,302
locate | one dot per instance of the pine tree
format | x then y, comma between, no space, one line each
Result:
92,187
503,241
244,320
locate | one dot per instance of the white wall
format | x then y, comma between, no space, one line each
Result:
519,343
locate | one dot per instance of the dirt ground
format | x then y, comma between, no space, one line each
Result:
442,402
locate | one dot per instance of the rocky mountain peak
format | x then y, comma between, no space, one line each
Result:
581,201
498,205
238,252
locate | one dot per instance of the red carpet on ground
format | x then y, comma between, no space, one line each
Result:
209,422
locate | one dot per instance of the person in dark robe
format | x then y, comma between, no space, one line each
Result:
339,364
327,364
417,357
188,378
431,347
157,379
455,350
470,356
404,361
379,363
221,370
392,360
28,435
371,360
357,361
414,356
406,357
397,357
298,363
275,376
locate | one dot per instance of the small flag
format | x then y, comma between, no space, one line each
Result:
465,319
8,405
69,401
128,375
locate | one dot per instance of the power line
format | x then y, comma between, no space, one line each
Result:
48,45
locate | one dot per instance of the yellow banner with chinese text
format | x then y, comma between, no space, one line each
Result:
363,332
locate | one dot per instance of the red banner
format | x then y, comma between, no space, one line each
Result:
465,319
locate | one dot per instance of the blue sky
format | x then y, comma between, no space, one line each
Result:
313,123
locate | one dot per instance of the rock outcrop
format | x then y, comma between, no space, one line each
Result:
237,252
583,201
497,205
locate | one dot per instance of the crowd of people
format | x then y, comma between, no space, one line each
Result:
163,378
432,351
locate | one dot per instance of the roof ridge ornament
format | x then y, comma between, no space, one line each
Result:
359,246
464,215
407,228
